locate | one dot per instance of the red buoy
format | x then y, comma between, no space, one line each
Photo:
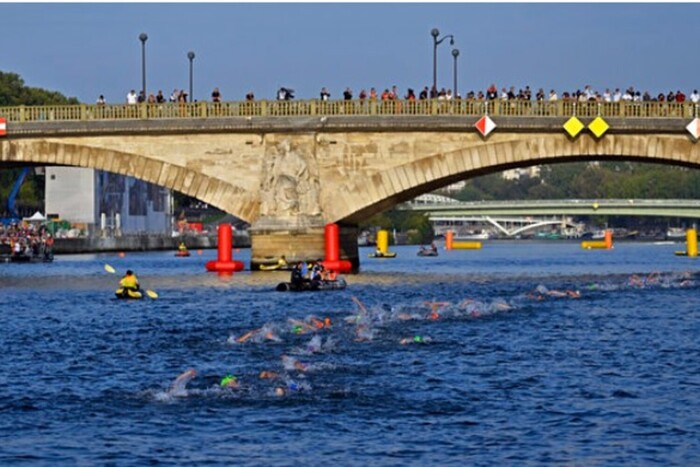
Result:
333,261
225,263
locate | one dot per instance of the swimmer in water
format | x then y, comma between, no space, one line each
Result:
229,381
179,387
319,323
541,292
434,307
268,375
300,327
247,336
291,387
415,340
363,333
291,363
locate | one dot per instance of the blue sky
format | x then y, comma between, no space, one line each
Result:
84,50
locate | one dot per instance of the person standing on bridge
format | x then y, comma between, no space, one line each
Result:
695,97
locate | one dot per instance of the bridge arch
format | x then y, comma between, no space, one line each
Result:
501,152
189,181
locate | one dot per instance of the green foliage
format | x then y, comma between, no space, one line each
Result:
14,92
416,224
582,180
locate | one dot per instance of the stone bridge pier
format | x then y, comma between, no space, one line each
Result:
272,238
291,221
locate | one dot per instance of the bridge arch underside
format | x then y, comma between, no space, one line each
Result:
187,180
478,157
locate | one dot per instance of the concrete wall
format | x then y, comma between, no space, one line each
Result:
142,243
70,194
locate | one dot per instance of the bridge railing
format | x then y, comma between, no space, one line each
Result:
474,108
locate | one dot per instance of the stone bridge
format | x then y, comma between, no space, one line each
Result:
290,168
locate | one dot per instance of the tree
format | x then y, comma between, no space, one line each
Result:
14,92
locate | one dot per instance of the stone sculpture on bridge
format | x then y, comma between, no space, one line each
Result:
290,184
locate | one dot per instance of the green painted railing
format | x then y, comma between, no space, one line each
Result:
510,108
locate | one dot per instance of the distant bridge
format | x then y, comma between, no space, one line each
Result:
505,226
575,207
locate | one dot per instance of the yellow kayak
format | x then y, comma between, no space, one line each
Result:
121,292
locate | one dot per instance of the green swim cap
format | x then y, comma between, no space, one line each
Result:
227,379
297,329
417,339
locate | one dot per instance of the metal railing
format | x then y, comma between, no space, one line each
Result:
360,108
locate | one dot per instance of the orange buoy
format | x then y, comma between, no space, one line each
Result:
449,239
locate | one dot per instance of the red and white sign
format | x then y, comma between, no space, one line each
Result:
694,128
485,125
3,126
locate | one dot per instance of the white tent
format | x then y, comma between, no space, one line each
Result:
36,217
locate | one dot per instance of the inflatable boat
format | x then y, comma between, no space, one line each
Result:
312,286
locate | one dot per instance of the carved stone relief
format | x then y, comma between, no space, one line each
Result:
290,186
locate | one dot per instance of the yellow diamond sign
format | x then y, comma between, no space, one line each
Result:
598,127
573,126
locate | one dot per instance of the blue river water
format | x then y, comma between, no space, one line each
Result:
451,360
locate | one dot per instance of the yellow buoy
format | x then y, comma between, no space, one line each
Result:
597,244
466,245
691,237
383,241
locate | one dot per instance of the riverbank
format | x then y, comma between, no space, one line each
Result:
241,239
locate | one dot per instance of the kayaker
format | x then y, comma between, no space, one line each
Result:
129,281
182,247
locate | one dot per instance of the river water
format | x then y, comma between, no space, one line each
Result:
500,375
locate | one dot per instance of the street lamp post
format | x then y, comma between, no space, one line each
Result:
143,37
455,54
190,55
435,33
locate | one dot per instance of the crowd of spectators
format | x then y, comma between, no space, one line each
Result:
25,241
587,94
